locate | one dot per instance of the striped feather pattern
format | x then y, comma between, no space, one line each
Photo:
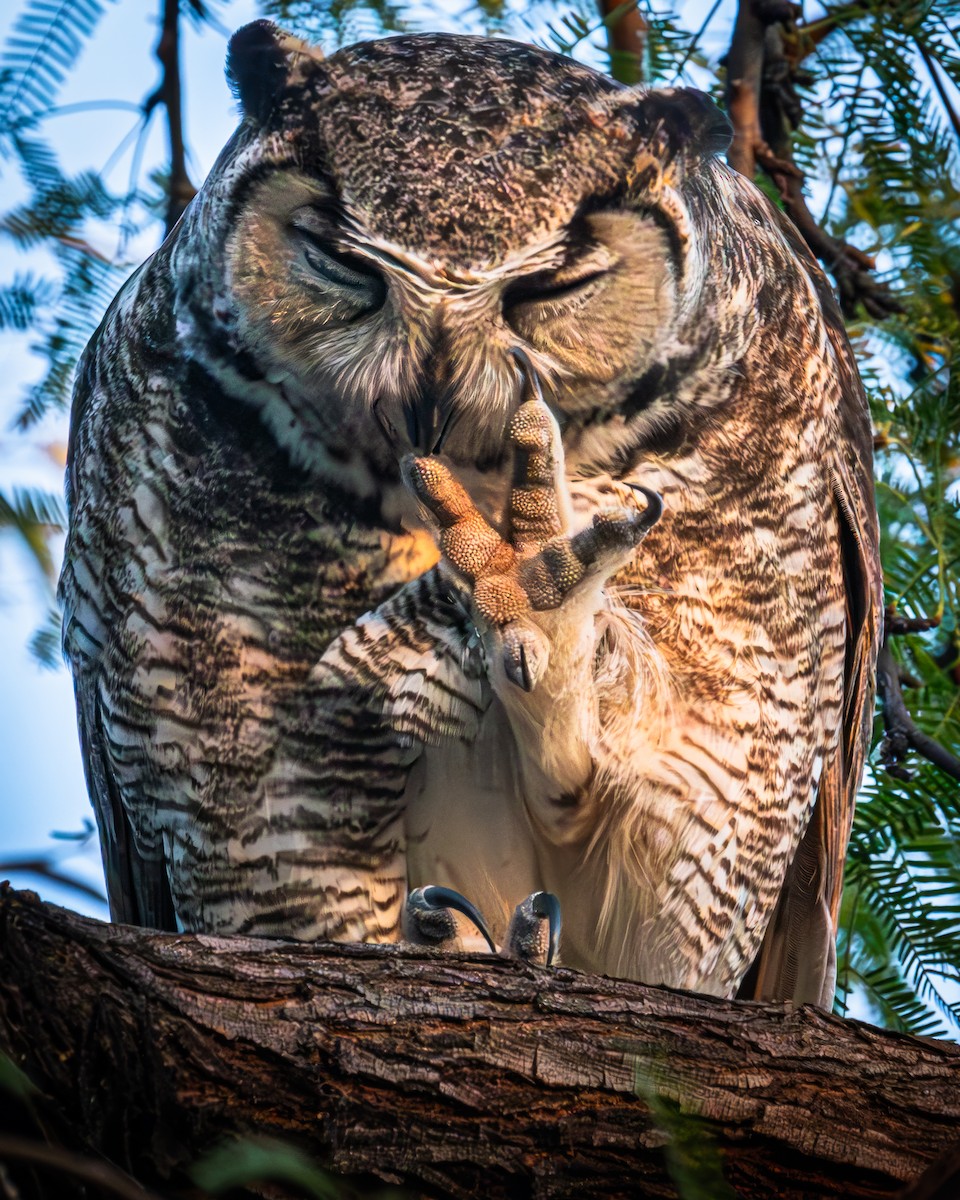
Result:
291,713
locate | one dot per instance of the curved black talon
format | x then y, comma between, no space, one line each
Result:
546,904
654,509
436,897
448,422
520,672
524,939
529,378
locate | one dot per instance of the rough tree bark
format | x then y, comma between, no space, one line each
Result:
455,1075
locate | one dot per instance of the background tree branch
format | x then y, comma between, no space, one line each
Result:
170,93
626,39
451,1074
901,732
762,74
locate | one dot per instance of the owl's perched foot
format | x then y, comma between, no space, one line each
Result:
428,918
533,934
521,580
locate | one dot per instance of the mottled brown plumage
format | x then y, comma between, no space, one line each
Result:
291,713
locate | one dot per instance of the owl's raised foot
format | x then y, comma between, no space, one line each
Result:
520,579
428,918
533,934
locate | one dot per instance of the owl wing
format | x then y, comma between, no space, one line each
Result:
798,957
137,888
417,660
408,674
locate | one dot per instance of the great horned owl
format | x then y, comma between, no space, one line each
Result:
451,291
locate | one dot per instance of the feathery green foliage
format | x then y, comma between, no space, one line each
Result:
35,517
251,1161
338,21
47,38
693,1160
888,145
21,300
875,97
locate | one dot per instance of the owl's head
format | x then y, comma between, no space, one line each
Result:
397,219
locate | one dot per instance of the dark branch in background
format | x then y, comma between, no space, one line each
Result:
46,866
894,624
744,81
627,32
170,95
901,733
101,1175
762,76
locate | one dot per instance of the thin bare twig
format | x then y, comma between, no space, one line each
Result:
695,40
46,868
170,94
901,732
47,865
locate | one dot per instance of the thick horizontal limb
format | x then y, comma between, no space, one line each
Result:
455,1075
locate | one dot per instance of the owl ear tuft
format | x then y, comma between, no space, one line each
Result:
261,58
682,123
256,67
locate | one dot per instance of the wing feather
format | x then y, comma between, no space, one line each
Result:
419,660
137,887
798,959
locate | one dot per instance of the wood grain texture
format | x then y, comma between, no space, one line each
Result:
455,1075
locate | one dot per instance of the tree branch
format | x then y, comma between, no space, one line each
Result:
896,625
626,39
901,732
744,80
169,93
456,1075
47,866
764,109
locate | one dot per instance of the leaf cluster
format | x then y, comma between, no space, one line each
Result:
886,143
64,310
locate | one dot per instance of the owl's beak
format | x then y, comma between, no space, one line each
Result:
428,422
430,417
420,416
